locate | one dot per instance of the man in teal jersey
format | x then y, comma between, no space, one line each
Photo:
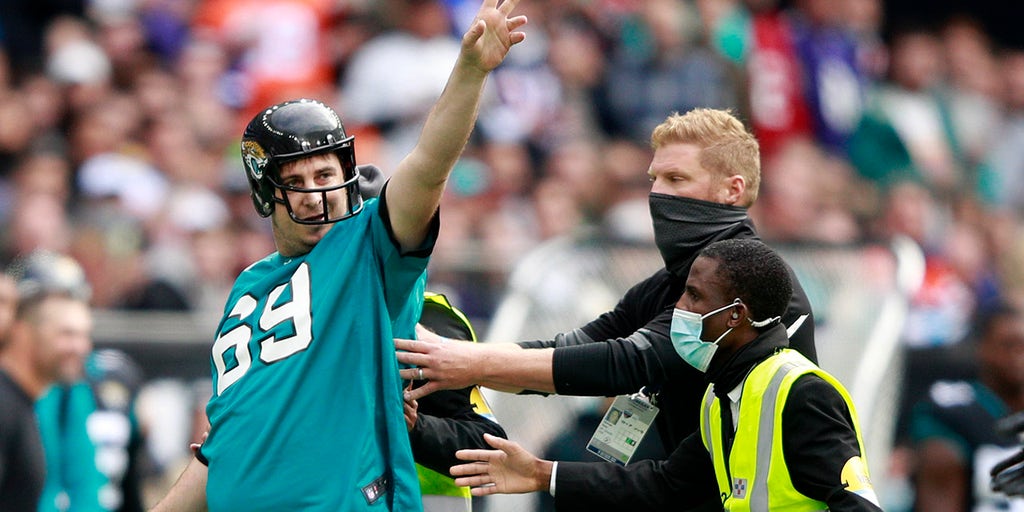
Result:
47,342
92,438
307,411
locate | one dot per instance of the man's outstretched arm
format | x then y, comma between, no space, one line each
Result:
500,366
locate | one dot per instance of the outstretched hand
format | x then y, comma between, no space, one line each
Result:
442,364
492,34
509,469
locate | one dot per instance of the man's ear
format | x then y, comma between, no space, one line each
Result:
739,310
734,192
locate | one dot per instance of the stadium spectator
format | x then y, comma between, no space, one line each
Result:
953,428
48,341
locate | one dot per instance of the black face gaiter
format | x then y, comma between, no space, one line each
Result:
683,226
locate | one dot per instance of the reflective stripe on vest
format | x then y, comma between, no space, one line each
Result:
755,478
434,483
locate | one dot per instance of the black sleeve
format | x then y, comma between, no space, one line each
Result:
624,365
565,339
447,422
686,480
819,440
632,312
425,248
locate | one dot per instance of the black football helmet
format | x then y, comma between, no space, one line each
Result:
290,131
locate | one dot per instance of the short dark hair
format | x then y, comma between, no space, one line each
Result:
755,273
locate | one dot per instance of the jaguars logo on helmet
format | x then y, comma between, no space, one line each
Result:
291,131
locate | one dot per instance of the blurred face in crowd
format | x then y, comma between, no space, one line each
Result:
676,170
59,331
1001,353
318,171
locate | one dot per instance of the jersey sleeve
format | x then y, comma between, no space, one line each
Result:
402,273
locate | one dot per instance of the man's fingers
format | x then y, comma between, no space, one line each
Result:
411,374
485,490
421,391
481,456
474,480
417,361
414,346
514,23
424,334
471,469
474,33
508,6
500,443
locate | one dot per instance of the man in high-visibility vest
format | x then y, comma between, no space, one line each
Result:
794,445
444,422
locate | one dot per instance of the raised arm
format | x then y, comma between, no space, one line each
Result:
414,190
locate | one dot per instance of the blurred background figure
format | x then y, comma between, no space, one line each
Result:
46,343
953,428
86,418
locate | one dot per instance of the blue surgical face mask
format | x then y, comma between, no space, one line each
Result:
686,330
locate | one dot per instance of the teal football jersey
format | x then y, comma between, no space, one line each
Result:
306,412
72,478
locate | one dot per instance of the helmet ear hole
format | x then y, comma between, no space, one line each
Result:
735,315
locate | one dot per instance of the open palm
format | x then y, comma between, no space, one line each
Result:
492,34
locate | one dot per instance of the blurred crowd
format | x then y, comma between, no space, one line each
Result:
120,121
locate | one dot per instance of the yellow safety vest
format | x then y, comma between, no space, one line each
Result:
757,478
433,483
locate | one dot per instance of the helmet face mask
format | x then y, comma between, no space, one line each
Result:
291,131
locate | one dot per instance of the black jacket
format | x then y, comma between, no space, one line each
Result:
446,422
818,437
22,462
629,347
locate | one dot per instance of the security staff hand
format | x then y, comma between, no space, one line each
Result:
411,415
509,469
444,365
